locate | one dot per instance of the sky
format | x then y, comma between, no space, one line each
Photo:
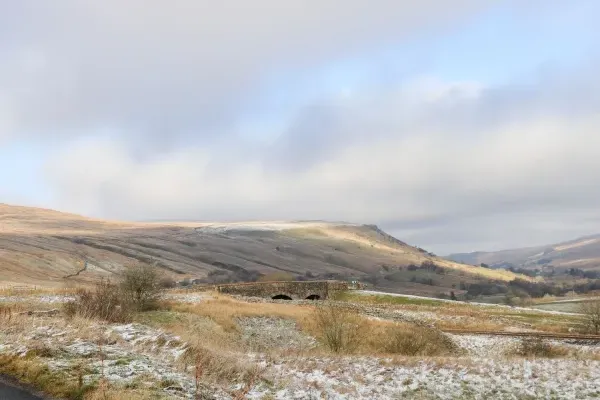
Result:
458,125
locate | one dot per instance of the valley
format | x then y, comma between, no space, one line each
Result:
51,249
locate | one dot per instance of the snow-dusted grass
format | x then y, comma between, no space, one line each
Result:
462,378
420,300
271,351
42,298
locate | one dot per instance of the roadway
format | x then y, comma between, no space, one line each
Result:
9,392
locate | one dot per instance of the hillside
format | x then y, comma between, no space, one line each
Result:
49,248
582,253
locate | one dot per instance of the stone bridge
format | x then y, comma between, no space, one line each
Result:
289,290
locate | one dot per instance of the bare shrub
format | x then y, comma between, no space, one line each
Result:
591,316
104,302
537,347
167,283
414,340
140,287
340,329
138,290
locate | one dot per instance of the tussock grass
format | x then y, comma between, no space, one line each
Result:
340,329
344,331
536,347
414,340
213,351
388,299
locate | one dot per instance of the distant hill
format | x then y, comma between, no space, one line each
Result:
45,247
582,253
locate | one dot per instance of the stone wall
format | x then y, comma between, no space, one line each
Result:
316,290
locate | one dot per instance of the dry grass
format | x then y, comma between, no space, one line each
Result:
539,348
217,353
120,394
224,311
413,340
105,302
31,371
340,329
212,350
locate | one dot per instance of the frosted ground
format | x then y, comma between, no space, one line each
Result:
155,358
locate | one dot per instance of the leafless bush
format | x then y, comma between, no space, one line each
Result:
537,347
591,313
138,290
340,329
105,302
167,283
414,340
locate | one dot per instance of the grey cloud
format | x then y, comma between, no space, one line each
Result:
428,181
149,95
158,69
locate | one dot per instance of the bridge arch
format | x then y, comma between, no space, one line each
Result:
281,297
313,297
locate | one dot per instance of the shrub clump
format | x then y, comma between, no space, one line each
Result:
138,290
340,329
415,340
537,347
141,288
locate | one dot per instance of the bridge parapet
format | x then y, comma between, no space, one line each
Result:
288,290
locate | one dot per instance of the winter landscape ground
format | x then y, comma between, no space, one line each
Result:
203,345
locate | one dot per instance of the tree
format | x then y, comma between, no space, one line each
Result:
141,287
591,315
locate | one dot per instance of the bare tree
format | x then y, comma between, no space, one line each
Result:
591,312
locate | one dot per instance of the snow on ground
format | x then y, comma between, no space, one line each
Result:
484,345
191,298
125,354
222,228
268,333
46,299
362,378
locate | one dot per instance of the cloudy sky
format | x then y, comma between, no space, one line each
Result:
456,125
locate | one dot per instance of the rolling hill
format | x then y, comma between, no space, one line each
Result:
50,248
582,253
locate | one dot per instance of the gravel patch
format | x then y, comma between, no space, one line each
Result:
484,345
190,298
44,299
267,333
